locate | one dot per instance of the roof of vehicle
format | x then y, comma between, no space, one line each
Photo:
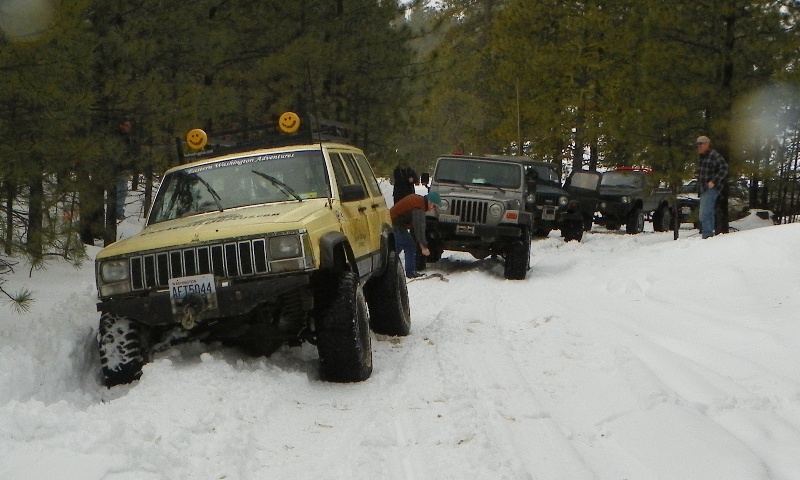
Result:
631,169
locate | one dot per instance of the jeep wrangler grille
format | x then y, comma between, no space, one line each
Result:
547,199
470,211
240,258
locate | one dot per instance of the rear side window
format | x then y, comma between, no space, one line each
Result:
369,175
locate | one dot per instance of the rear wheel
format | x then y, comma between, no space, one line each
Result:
122,350
343,338
387,297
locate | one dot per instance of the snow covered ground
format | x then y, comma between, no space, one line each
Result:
621,357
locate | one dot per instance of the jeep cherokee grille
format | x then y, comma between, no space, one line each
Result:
231,259
470,211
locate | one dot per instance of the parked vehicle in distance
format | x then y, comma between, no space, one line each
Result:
688,203
628,195
583,187
555,206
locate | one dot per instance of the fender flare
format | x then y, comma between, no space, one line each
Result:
336,253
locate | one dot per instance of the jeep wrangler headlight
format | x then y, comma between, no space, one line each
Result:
495,210
444,206
113,277
562,201
625,199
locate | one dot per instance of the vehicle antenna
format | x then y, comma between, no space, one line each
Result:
319,130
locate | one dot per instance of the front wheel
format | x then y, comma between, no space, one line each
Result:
635,222
518,258
343,338
662,219
572,231
122,350
587,222
387,298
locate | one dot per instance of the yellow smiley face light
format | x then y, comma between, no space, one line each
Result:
196,139
289,122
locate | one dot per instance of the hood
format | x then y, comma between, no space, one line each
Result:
474,191
215,226
550,189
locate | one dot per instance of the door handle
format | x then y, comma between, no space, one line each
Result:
362,209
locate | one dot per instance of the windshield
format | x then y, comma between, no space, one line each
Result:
238,182
476,172
547,174
622,179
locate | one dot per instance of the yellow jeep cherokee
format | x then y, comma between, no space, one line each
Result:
257,249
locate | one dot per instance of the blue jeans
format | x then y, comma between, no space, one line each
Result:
404,242
708,201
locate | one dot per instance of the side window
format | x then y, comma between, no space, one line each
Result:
339,171
369,176
350,162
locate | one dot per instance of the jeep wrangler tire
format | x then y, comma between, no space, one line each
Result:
662,219
343,338
635,222
387,298
572,231
122,352
518,258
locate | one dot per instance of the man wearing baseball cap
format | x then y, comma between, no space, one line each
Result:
711,171
408,225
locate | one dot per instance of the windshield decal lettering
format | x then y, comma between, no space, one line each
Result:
236,162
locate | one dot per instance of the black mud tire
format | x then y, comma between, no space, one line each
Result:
541,232
572,231
662,219
518,258
343,339
123,353
635,223
387,298
587,222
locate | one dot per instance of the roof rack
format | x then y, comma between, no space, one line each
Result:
288,129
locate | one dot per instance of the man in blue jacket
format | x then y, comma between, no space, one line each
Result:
711,172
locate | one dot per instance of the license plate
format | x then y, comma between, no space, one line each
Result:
199,291
549,214
686,210
445,218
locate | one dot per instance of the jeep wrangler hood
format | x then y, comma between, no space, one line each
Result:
233,223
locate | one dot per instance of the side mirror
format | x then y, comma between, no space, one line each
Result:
353,192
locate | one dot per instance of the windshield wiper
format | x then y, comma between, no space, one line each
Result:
284,188
487,184
449,180
214,194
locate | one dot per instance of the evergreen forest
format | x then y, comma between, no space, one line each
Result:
98,90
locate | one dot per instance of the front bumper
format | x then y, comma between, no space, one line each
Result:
615,210
155,308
